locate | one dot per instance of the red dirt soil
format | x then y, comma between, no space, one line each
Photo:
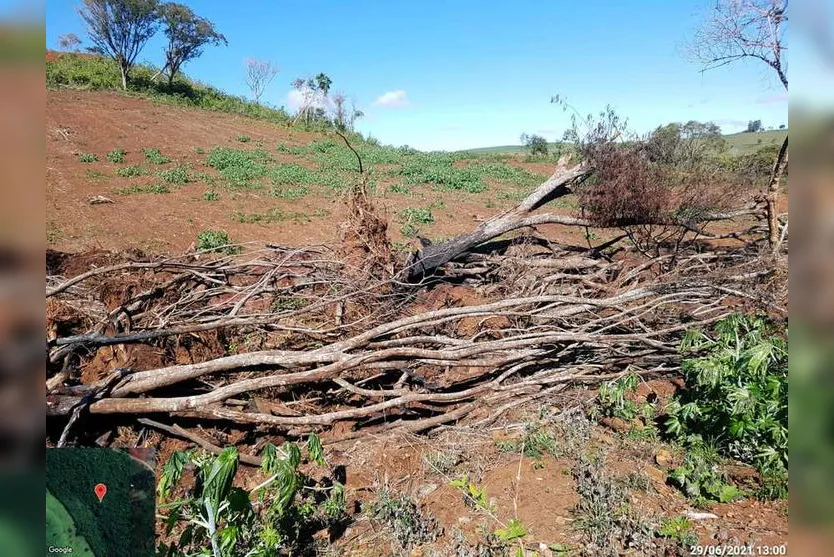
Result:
98,122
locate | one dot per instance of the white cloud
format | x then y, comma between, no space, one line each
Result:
393,99
297,98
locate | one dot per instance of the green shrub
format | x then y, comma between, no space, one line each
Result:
700,478
678,528
87,157
437,169
177,175
411,217
243,138
116,156
156,188
505,173
83,72
154,156
210,195
292,174
613,402
737,396
297,151
131,170
239,167
216,241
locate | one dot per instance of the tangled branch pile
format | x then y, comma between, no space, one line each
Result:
303,340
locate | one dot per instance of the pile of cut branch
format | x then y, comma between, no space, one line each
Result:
467,328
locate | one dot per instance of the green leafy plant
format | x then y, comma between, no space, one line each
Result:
513,531
243,138
678,528
176,175
131,170
290,193
221,520
474,495
536,442
87,157
210,195
612,399
737,396
700,478
154,156
239,167
216,241
116,156
399,188
411,217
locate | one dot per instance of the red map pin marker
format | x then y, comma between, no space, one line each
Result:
101,491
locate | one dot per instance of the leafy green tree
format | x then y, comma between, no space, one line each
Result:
323,83
686,144
754,126
120,29
536,144
187,34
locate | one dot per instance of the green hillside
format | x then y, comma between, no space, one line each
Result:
743,143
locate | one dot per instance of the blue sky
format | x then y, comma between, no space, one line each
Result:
463,74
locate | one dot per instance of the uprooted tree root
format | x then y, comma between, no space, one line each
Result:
412,351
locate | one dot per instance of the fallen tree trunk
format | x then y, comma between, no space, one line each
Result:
558,185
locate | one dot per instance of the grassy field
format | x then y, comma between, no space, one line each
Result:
744,143
60,528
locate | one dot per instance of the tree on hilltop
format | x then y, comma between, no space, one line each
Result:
120,29
187,34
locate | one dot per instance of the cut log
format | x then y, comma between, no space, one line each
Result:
559,184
